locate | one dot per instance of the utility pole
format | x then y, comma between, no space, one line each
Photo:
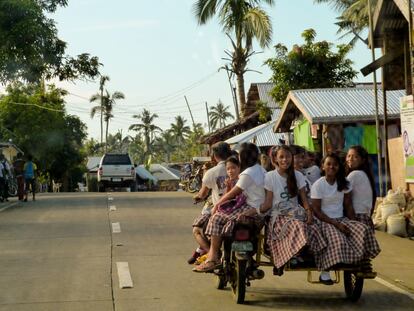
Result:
233,91
208,119
377,125
191,114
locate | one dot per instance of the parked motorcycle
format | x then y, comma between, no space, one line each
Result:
195,180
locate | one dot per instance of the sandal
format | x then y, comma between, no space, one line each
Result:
200,260
207,266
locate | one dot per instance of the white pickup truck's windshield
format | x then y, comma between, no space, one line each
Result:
116,159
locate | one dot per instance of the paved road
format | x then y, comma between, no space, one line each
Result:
59,253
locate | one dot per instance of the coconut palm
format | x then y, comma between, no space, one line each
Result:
165,144
219,114
353,18
147,128
109,101
242,21
99,97
179,130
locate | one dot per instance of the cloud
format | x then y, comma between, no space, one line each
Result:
132,24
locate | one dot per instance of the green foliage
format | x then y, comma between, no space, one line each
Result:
265,112
34,117
311,65
30,48
353,16
243,22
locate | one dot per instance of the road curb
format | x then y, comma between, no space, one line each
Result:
2,209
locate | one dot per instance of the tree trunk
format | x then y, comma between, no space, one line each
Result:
106,136
101,117
241,95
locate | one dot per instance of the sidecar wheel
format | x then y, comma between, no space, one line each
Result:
353,286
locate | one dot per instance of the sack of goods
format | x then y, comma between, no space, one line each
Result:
397,197
396,225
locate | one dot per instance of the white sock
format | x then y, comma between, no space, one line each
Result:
325,276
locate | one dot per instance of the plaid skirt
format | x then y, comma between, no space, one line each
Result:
360,244
366,220
289,235
223,224
201,221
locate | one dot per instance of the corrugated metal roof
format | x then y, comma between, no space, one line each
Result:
261,135
162,173
344,104
93,163
264,89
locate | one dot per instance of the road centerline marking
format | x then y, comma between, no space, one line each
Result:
116,227
112,208
394,288
110,199
124,276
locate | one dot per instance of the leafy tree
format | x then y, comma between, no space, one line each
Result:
147,128
242,21
92,147
265,113
311,65
179,130
30,48
136,149
219,114
34,117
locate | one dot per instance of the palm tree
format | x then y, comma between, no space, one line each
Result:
353,18
99,97
109,101
165,143
219,114
242,21
146,128
179,130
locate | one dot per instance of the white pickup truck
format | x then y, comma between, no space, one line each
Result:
116,170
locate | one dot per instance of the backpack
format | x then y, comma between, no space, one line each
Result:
29,170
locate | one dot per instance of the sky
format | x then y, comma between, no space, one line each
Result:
155,53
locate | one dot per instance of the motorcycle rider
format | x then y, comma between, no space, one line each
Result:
214,180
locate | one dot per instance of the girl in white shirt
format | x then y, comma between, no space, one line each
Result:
349,241
359,174
287,230
250,184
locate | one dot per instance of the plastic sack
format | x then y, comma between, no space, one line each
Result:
396,225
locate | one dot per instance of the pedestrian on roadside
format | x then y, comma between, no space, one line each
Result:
30,169
2,183
18,166
6,174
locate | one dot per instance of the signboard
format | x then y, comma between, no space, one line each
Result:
407,130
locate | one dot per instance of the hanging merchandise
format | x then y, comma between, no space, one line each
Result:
369,139
353,136
303,136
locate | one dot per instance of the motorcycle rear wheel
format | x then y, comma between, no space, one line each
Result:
239,282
